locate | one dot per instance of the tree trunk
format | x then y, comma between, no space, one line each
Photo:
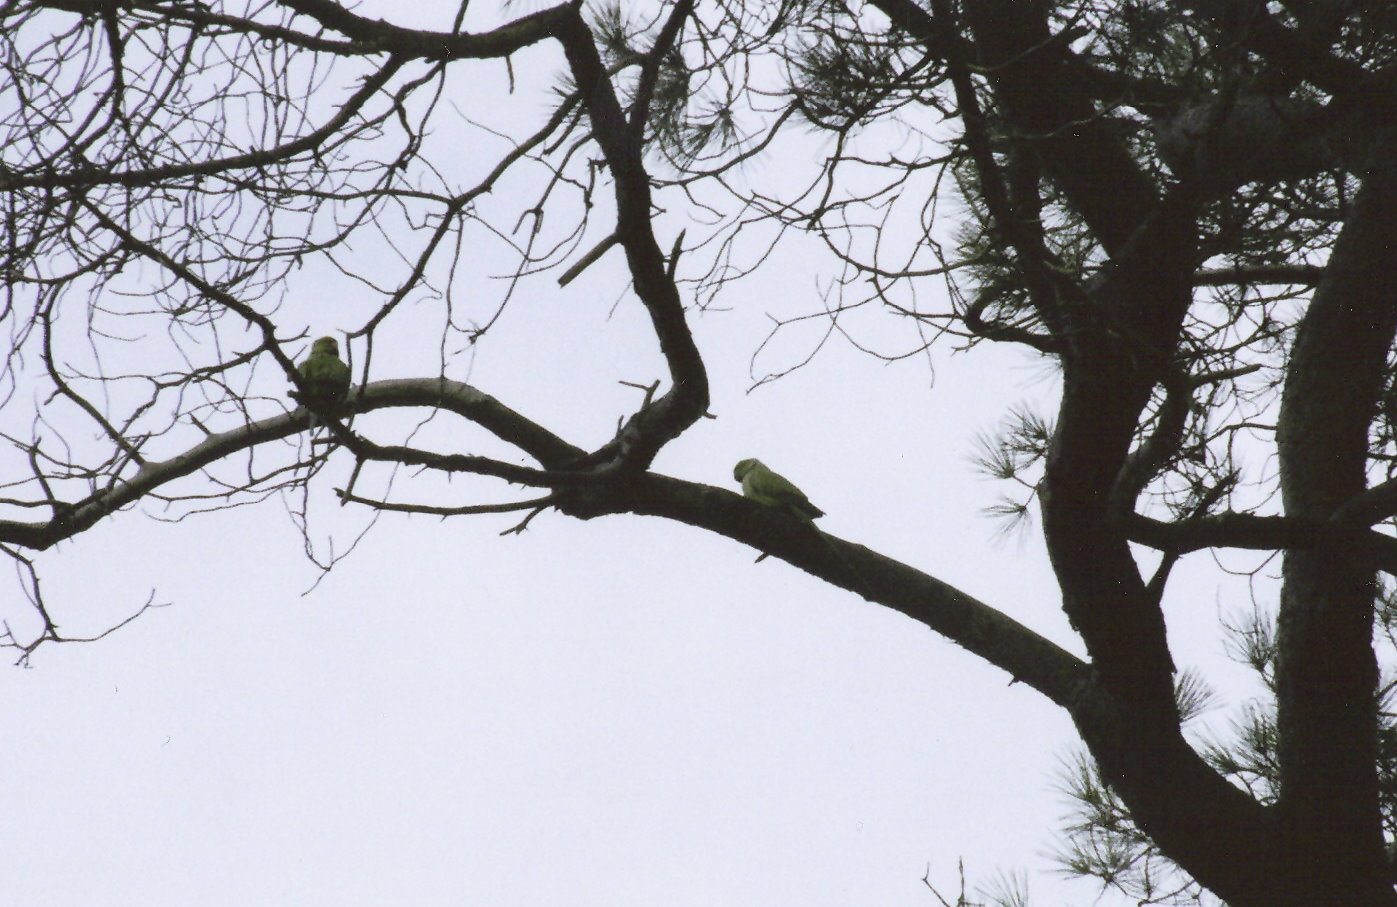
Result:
1326,668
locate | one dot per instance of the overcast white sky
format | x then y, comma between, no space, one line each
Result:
616,712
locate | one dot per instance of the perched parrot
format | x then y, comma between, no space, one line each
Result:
325,375
766,487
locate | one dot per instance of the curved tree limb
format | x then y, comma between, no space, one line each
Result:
637,443
551,452
975,322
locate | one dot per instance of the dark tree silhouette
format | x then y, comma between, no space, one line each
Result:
1188,207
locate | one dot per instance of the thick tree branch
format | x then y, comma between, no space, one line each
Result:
552,453
1263,533
435,45
980,629
663,420
650,68
1145,462
1284,275
1120,345
201,17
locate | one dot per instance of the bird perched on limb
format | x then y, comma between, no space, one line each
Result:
325,378
766,487
774,490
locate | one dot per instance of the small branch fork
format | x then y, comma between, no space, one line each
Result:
50,632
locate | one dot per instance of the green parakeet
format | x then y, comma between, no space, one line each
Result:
325,375
766,487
